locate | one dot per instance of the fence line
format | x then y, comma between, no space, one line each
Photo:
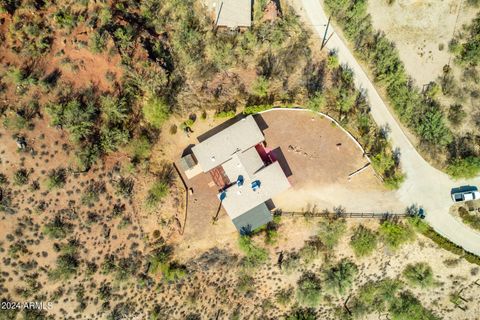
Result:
365,215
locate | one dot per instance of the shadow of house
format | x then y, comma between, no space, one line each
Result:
220,128
280,157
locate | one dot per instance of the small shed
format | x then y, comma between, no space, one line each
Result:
190,166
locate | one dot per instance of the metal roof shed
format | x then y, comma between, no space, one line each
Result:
253,219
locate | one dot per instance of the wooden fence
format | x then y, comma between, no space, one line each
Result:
365,215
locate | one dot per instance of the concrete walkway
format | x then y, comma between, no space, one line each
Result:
424,184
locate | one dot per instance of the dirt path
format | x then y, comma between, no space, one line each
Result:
424,184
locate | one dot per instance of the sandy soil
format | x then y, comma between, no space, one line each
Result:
419,28
321,158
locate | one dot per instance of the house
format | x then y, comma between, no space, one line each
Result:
231,14
246,173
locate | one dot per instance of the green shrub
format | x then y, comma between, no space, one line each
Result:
340,277
224,114
419,274
284,296
330,231
254,255
309,289
157,192
394,234
20,177
257,108
472,220
464,168
246,283
407,307
374,296
66,267
3,179
156,111
302,314
57,228
363,241
56,178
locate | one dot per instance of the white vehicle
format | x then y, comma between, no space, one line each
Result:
465,196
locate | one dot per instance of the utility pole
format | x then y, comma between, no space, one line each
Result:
324,39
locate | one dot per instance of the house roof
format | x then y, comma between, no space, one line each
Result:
244,164
240,199
221,147
234,13
253,219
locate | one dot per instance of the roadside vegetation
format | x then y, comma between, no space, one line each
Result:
420,110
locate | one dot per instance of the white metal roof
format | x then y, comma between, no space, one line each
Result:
240,199
221,147
233,13
244,164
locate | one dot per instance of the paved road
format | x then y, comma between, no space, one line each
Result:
424,184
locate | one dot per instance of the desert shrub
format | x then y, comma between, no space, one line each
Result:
407,307
108,265
464,168
156,111
246,283
20,177
419,274
290,263
124,187
160,260
57,228
309,289
363,241
375,296
302,314
472,220
256,109
339,277
92,192
394,234
456,114
65,18
56,178
330,231
66,267
284,296
254,255
3,179
98,42
224,114
156,193
126,268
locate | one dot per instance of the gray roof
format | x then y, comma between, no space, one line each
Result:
187,162
253,219
244,164
220,147
234,13
240,199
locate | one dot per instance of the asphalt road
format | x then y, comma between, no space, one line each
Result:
424,184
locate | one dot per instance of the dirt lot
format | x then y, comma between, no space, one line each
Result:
321,157
420,28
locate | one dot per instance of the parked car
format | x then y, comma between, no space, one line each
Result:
465,196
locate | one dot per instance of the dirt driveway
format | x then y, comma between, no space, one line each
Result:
320,157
